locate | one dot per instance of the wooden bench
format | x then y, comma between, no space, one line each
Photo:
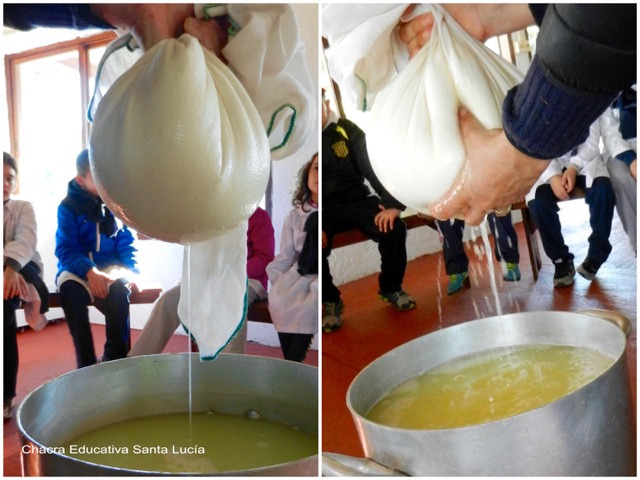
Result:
351,237
149,295
259,312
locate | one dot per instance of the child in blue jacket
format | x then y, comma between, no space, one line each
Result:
96,262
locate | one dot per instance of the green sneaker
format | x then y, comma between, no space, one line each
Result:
512,274
457,282
331,320
399,300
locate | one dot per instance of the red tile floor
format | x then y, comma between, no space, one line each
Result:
372,328
47,354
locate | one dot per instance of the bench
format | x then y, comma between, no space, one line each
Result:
351,237
258,311
149,294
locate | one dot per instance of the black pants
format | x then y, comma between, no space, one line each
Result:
75,301
391,244
295,345
10,345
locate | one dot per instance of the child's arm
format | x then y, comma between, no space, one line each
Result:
20,250
70,255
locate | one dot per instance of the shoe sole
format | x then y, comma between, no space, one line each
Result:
466,283
584,274
402,309
331,329
562,283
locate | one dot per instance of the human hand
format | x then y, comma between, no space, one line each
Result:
151,23
481,21
325,240
99,283
385,218
14,284
569,179
558,187
633,168
495,174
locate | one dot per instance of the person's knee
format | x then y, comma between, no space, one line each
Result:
73,294
603,188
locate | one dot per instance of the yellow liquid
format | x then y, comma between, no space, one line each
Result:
489,386
218,443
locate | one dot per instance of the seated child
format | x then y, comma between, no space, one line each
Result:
22,276
96,265
293,298
583,167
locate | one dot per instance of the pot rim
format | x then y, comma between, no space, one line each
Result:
361,418
136,472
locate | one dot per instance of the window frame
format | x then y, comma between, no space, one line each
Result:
81,45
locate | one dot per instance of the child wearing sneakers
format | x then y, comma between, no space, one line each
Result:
293,297
456,260
347,203
583,167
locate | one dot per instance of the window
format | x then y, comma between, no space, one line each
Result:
49,89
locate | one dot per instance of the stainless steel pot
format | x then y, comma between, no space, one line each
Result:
587,432
92,397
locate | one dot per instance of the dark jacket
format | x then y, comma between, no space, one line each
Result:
26,16
346,165
585,55
89,236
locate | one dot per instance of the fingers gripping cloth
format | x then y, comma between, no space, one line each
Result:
180,153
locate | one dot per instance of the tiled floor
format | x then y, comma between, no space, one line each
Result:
47,354
372,328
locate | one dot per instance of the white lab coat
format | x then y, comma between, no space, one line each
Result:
293,298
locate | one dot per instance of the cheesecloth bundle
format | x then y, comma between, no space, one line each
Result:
414,140
180,151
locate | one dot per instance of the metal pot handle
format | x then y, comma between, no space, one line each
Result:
616,318
337,465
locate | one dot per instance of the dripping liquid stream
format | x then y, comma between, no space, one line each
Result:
188,291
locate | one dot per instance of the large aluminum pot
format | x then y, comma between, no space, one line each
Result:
92,397
587,432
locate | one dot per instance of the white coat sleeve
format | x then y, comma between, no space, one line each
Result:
612,139
363,53
268,57
22,247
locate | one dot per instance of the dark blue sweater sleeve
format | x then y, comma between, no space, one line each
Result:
26,16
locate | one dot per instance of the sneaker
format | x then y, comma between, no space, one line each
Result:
331,320
8,413
399,300
513,272
565,272
457,282
588,269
